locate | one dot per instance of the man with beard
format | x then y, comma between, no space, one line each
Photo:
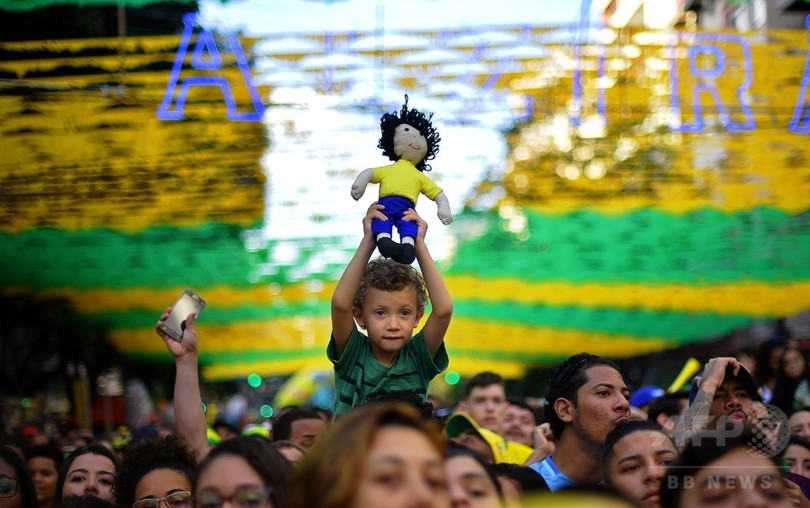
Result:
724,395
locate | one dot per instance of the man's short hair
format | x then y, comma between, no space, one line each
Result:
566,378
282,428
669,404
481,380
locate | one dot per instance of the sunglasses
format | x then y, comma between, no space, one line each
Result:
8,486
174,500
246,497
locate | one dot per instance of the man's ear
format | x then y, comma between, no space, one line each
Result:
358,316
564,409
461,406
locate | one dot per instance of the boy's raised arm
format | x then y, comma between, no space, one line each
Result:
349,283
442,304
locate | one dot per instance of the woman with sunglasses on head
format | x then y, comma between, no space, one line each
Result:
16,486
246,472
155,473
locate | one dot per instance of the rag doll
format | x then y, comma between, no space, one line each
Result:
409,139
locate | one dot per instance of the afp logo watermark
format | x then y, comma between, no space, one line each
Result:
767,429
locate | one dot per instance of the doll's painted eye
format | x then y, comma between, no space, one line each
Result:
407,129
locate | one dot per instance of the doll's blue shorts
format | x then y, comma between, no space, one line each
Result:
395,206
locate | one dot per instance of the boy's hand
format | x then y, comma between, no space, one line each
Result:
189,342
410,215
374,212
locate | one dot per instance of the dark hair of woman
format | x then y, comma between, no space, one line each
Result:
25,485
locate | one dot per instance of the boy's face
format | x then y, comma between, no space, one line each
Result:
389,318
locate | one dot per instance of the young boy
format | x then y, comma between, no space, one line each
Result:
387,299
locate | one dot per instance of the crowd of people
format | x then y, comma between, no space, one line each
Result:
719,444
738,437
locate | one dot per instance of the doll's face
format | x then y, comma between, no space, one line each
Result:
409,143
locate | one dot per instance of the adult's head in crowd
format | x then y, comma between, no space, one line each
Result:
586,399
16,486
729,390
471,480
246,471
797,456
635,458
792,370
485,400
378,455
155,469
518,482
300,425
519,422
666,409
769,354
799,422
723,471
89,470
44,462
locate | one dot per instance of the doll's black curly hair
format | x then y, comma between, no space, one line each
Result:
415,118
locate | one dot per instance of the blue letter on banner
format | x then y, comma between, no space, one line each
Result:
205,57
801,112
705,77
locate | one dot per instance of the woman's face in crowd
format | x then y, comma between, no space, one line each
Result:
797,458
90,474
793,364
8,475
638,462
470,485
403,468
738,478
160,483
230,477
800,424
45,476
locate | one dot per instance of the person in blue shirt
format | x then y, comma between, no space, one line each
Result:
586,399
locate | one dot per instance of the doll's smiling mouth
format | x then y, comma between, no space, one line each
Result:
415,147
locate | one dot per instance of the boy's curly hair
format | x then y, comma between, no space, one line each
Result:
389,275
146,455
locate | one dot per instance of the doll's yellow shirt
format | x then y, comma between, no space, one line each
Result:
403,179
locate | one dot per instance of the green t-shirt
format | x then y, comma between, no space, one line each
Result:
360,378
